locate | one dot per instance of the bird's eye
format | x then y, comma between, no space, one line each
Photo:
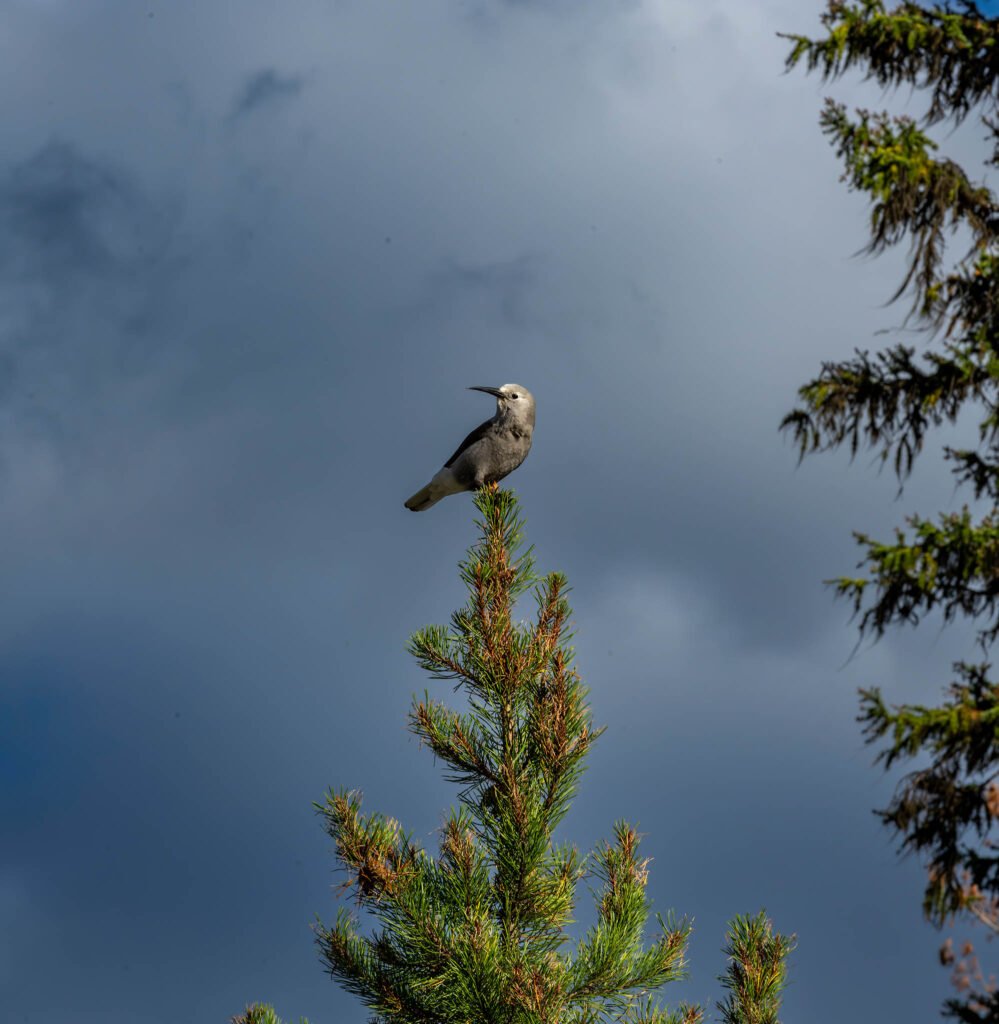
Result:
515,395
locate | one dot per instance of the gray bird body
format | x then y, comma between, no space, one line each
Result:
490,452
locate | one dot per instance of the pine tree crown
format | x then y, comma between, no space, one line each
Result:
479,932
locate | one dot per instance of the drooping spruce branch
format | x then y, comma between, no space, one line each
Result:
951,566
945,811
886,402
891,401
951,51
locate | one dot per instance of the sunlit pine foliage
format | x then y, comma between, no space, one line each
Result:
480,931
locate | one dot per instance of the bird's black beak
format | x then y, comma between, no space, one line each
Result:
489,391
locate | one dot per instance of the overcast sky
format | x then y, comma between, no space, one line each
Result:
251,255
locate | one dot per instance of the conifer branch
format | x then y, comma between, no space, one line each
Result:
890,403
952,53
951,565
946,811
258,1013
757,971
478,933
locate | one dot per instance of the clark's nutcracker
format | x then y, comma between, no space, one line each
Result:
491,451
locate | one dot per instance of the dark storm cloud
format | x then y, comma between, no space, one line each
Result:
503,286
265,88
67,216
202,624
85,260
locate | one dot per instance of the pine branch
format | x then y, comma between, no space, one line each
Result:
610,959
757,971
459,741
257,1013
477,934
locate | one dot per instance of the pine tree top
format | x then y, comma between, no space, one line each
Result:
479,931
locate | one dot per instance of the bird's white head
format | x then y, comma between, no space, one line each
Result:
513,401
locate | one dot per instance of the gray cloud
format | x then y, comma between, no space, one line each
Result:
265,88
67,217
502,288
85,268
237,380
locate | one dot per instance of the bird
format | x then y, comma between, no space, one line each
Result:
490,452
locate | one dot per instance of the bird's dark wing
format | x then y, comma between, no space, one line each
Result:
479,432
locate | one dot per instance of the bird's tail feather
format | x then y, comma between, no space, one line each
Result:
443,484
